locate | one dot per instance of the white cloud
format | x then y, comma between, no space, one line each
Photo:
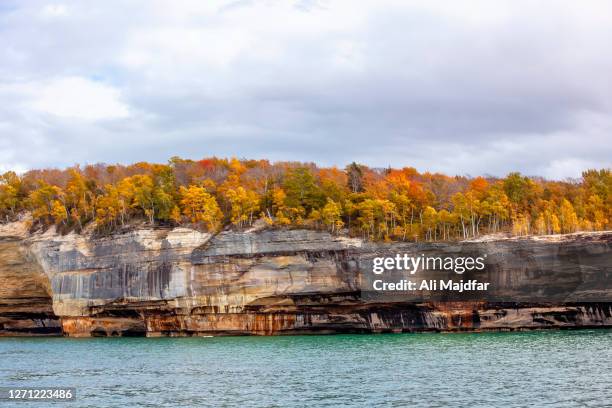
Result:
568,168
54,11
470,87
79,98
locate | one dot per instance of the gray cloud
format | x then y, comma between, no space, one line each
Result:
465,88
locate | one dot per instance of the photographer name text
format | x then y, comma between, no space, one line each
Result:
407,264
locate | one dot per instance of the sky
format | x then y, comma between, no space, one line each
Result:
459,87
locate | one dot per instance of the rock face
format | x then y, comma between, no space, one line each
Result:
26,307
180,282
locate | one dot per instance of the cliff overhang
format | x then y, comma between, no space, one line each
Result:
181,282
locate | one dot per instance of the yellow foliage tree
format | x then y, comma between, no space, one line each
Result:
596,211
76,197
567,217
175,214
521,225
110,208
10,202
376,217
281,211
42,202
243,204
59,212
200,207
331,214
430,222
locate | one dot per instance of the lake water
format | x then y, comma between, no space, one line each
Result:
543,368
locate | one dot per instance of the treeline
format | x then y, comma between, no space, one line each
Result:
379,204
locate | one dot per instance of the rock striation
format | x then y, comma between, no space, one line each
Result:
26,306
181,282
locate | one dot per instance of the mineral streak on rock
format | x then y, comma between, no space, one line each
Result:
25,296
181,282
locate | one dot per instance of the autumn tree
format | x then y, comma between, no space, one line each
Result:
200,207
447,221
143,194
333,184
244,205
521,224
387,204
430,223
596,212
376,218
111,209
461,210
75,198
10,195
567,217
496,207
282,213
46,203
331,214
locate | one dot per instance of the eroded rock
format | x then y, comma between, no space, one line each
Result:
180,282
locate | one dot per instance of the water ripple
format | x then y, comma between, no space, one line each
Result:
547,368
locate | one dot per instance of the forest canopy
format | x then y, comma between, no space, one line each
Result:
378,204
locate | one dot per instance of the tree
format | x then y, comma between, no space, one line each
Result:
163,203
479,186
405,212
515,187
461,211
244,204
596,212
354,173
555,226
59,212
540,225
331,215
599,182
200,207
387,204
10,200
474,208
520,191
164,192
334,184
430,223
496,206
110,208
447,220
76,197
43,202
567,217
376,217
280,209
175,214
302,191
143,195
521,225
125,195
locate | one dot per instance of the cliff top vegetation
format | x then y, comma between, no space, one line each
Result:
379,204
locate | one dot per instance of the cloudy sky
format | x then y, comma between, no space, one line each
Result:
459,87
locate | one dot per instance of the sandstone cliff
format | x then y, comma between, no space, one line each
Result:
180,281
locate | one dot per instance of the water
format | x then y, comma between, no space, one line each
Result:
544,368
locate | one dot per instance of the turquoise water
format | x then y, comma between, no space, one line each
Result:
545,368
